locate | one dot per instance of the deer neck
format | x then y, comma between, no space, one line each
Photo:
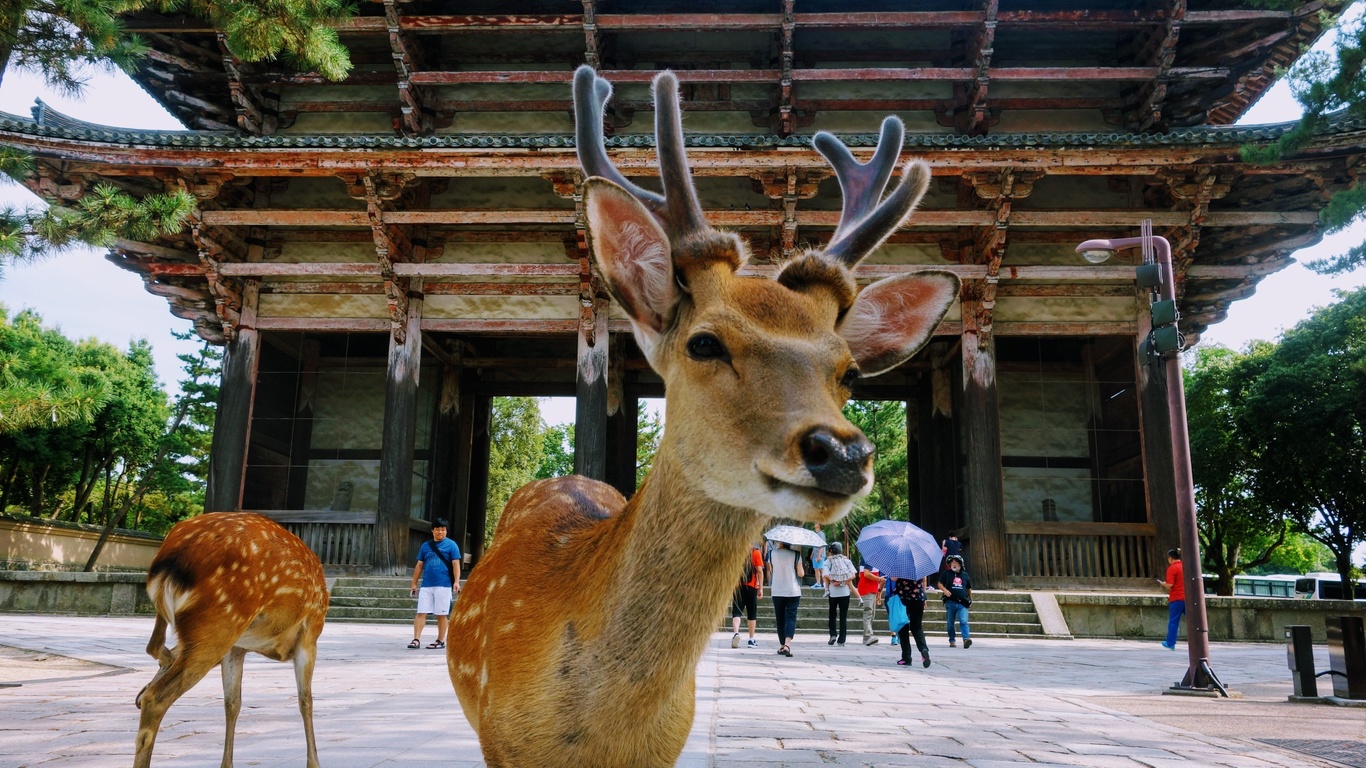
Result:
679,563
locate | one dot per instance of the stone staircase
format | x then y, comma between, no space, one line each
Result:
994,614
385,600
372,599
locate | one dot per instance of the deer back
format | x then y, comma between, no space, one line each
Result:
238,578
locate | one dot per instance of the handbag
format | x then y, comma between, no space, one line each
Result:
896,614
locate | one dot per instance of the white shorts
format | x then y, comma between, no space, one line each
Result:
435,600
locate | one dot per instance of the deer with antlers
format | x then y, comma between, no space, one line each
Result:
227,583
576,638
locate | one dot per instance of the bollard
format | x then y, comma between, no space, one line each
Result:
1299,656
1347,656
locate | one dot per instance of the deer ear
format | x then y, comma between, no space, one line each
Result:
893,318
633,254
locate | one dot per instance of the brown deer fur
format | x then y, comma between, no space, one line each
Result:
227,583
576,638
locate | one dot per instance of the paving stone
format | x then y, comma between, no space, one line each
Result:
1008,702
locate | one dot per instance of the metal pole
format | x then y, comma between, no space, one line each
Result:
1199,675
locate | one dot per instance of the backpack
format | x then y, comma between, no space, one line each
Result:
747,576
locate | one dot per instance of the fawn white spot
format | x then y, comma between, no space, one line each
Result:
511,626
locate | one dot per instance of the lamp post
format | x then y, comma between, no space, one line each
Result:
1164,344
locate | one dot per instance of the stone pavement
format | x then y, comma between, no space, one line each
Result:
1002,703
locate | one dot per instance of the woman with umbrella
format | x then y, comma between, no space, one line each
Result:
907,554
785,583
912,594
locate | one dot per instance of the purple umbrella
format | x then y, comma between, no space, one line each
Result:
899,549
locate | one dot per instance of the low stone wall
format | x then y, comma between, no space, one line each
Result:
30,544
68,593
1248,619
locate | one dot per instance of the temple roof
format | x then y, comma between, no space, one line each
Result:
48,122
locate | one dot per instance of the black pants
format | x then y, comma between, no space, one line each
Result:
839,605
915,611
785,611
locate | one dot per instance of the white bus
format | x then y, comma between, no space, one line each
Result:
1325,586
1271,585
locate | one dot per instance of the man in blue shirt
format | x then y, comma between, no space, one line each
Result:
438,569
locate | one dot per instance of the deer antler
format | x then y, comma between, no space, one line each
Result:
677,209
864,223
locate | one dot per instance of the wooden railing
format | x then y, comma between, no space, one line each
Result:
1080,550
337,538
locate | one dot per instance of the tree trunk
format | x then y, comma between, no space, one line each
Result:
8,484
1343,558
39,479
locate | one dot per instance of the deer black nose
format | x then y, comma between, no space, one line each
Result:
836,465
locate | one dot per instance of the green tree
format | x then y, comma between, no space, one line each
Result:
557,457
41,384
884,423
1232,520
171,488
649,431
60,38
1323,83
103,216
1299,554
1306,413
516,437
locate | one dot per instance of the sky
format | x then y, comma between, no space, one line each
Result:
85,295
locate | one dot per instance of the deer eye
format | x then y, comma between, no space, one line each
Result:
850,378
705,346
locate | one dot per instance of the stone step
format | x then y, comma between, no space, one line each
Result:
382,582
348,601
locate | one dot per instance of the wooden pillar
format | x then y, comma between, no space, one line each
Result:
982,432
445,449
232,425
938,452
460,502
479,475
396,442
590,415
1159,473
623,429
913,458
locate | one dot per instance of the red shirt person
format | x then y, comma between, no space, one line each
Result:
1175,583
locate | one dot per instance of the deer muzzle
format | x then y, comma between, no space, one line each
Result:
838,465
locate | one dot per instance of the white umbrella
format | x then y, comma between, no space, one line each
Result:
797,537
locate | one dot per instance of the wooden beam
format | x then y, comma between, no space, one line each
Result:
734,218
861,74
416,117
706,21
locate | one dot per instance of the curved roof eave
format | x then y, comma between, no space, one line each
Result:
1335,128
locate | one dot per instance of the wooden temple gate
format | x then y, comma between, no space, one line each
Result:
382,256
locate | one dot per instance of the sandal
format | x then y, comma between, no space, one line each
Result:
437,644
415,644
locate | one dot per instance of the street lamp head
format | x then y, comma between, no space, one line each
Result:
1097,251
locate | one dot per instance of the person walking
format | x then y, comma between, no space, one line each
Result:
912,594
786,586
956,586
869,587
1175,584
839,578
438,571
818,556
746,599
